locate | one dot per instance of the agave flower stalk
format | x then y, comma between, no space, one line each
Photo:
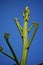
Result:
24,31
24,34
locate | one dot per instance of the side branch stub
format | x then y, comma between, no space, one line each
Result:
18,26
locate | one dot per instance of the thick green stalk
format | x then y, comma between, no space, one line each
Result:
25,37
25,43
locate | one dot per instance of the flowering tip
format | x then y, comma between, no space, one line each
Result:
27,10
1,48
6,35
15,19
37,24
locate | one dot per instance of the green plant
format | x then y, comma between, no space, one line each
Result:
24,35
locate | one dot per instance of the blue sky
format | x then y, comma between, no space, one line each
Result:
9,9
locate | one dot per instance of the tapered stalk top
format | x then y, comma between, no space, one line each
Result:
26,14
25,36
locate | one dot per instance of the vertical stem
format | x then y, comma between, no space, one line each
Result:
25,43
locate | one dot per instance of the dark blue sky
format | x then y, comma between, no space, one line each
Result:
9,9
